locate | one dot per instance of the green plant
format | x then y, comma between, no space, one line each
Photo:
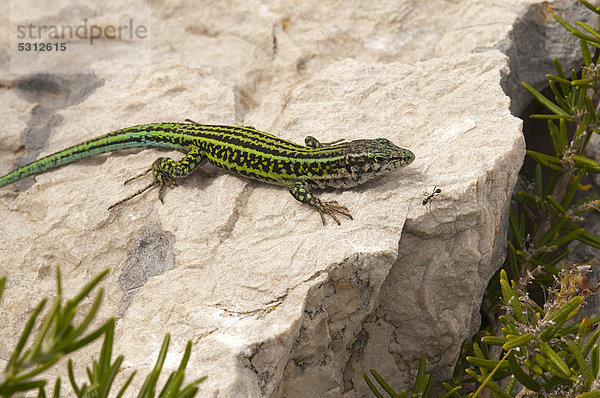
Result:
529,342
422,386
58,336
549,215
541,352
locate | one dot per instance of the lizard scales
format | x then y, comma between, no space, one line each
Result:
243,151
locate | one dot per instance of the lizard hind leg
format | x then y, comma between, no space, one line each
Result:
164,172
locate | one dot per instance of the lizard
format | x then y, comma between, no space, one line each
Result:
244,151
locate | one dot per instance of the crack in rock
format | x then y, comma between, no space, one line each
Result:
277,301
224,231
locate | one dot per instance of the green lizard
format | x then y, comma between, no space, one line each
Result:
243,151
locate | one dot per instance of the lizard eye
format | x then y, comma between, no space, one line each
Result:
379,159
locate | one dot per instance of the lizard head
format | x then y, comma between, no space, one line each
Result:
375,157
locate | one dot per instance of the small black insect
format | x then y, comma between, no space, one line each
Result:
430,196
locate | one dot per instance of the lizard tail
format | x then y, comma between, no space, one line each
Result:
147,135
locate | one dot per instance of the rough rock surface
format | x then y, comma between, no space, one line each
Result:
274,303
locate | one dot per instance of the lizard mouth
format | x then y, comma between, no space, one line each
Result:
408,157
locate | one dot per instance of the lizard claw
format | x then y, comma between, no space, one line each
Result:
127,181
330,207
136,194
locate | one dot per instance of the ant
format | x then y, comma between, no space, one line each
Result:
430,196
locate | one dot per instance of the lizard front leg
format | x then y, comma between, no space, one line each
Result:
165,171
312,142
301,193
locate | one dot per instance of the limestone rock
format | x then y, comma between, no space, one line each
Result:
274,303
